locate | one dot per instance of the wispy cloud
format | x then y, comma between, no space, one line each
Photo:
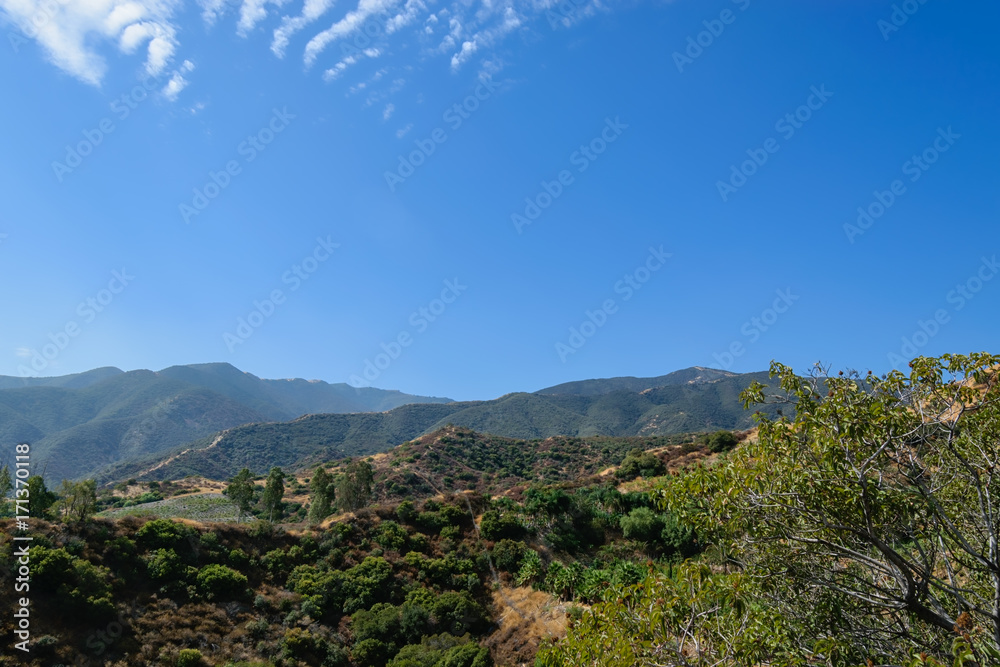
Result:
75,34
70,31
311,11
387,113
252,12
345,26
178,81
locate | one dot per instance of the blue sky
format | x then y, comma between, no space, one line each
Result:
622,189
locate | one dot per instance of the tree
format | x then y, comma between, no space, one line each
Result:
274,491
240,491
870,519
78,500
354,487
323,494
40,499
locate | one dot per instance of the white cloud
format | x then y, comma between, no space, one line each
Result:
338,69
403,131
252,12
405,17
387,113
511,21
311,11
345,26
178,81
70,31
23,352
468,48
211,10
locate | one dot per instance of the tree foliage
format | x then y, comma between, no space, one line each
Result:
638,463
240,491
354,486
274,491
77,500
861,526
40,499
323,494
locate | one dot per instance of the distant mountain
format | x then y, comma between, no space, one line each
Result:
678,408
80,423
693,375
76,380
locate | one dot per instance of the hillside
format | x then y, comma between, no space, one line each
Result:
682,408
78,424
459,459
693,375
464,578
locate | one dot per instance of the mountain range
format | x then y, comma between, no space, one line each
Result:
213,419
80,423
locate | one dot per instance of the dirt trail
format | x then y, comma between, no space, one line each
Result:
177,456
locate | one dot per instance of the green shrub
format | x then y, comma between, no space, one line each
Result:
371,652
391,536
442,650
639,463
160,534
458,613
312,649
406,511
220,582
507,555
497,525
722,441
190,657
642,524
165,566
80,586
257,628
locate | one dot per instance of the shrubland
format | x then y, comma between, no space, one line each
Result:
861,527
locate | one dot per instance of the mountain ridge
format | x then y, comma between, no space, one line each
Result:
311,439
80,423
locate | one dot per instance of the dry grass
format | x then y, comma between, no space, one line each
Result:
526,617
